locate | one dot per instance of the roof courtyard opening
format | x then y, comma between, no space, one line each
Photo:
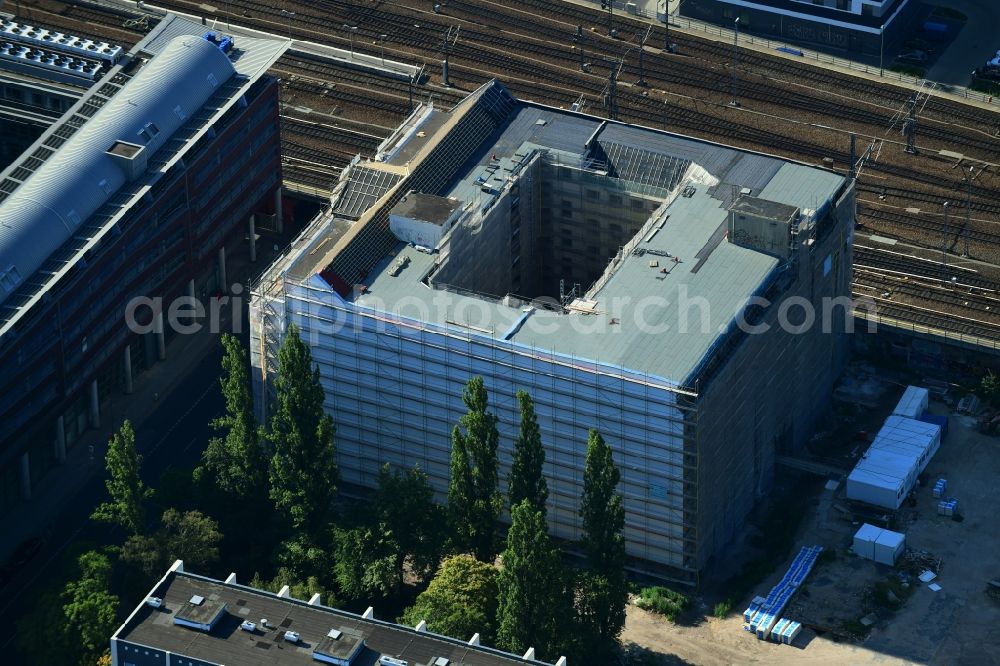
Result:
548,233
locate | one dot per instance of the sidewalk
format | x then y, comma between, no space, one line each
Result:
58,488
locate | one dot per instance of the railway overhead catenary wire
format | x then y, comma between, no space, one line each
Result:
528,44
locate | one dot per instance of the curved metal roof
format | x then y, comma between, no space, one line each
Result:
82,176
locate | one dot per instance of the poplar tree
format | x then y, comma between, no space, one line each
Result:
127,491
236,462
478,502
531,586
604,591
526,479
303,470
459,494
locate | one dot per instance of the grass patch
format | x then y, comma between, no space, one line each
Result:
909,70
722,609
949,13
662,600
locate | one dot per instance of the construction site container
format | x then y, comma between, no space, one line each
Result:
888,470
882,479
864,541
888,547
909,436
913,403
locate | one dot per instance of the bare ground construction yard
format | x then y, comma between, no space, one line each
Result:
858,612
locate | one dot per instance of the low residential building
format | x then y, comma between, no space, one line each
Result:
192,620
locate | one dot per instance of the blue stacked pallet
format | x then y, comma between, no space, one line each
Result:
751,612
788,632
762,616
948,507
778,628
939,488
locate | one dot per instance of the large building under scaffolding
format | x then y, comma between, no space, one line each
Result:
609,270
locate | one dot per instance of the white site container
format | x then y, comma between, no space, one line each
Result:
882,478
864,541
913,403
888,547
909,437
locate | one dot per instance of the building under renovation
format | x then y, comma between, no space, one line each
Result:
631,280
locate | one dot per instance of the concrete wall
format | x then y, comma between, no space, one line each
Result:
558,223
476,254
586,218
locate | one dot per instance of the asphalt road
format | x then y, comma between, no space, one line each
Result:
975,44
174,434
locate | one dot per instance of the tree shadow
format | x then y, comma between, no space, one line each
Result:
637,655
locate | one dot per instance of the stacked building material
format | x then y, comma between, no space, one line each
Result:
948,507
939,488
785,631
762,616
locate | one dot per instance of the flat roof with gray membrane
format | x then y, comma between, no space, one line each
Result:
228,644
636,318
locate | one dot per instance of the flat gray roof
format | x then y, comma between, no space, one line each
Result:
228,644
635,318
426,207
770,210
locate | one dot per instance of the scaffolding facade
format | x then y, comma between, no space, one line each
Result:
394,388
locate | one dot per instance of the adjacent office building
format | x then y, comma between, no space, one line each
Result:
137,189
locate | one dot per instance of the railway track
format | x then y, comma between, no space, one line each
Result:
528,44
933,227
897,263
